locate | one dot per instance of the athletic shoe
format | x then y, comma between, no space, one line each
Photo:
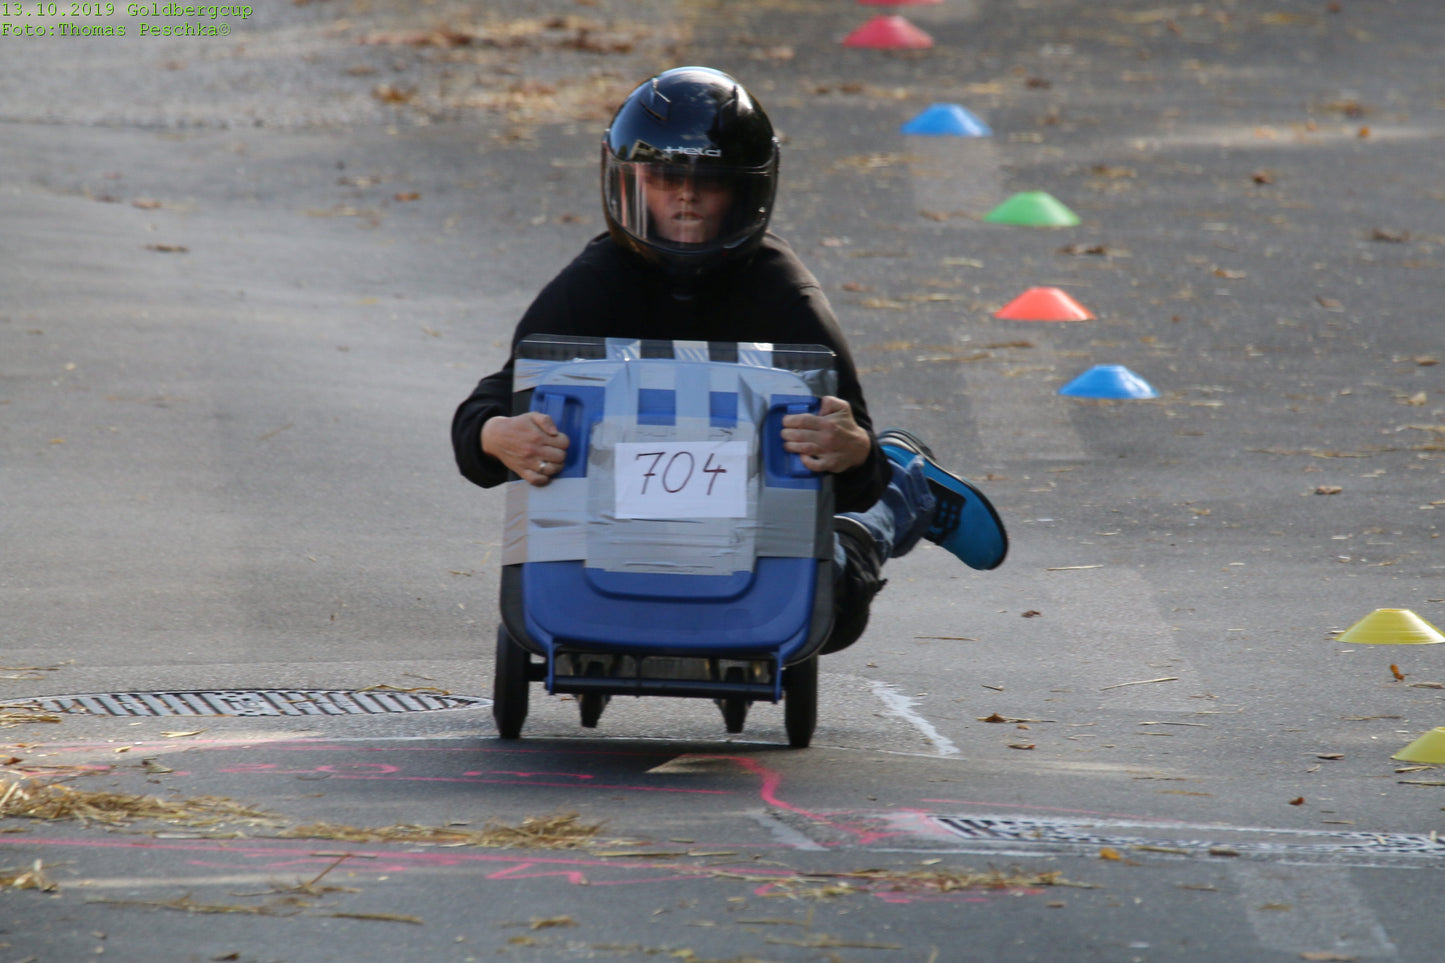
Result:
964,522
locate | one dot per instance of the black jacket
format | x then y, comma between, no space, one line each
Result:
607,292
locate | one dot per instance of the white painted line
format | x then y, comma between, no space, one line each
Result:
902,707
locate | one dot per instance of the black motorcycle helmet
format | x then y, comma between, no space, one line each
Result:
689,172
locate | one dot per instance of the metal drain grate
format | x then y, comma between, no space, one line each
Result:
1070,836
254,702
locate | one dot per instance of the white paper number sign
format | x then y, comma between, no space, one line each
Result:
682,479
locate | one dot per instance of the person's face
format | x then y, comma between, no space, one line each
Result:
686,208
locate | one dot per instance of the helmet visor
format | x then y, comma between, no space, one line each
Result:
686,208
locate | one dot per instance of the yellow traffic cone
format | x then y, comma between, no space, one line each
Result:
1429,748
1392,627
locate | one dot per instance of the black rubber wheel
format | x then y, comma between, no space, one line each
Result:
509,686
734,708
800,702
591,704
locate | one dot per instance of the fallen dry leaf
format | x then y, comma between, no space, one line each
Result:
11,716
32,878
388,94
383,917
1092,250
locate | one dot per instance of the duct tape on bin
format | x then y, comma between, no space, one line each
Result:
668,469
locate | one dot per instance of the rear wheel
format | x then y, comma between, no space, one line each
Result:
800,701
734,708
509,686
591,704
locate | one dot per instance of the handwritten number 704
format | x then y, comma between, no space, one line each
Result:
668,478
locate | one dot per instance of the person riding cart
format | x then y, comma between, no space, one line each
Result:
689,181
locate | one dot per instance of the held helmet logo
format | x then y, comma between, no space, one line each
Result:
692,151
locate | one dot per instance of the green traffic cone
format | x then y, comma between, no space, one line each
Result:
1032,209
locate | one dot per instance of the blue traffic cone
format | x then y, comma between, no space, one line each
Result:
946,120
1112,381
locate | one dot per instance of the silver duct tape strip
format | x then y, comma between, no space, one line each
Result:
820,381
621,349
692,546
546,524
691,351
529,372
756,355
782,517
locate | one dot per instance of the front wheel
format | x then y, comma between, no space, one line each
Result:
800,701
509,686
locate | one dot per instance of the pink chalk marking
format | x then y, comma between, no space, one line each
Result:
769,791
773,781
528,775
387,774
359,768
915,822
521,871
291,856
329,745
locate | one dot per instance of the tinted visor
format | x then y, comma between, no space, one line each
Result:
685,208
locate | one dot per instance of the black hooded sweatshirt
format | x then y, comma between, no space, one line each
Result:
607,292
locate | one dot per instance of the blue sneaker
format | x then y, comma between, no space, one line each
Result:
965,522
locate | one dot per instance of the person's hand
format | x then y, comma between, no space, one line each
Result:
829,440
529,444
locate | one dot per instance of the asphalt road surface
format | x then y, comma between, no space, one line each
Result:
246,276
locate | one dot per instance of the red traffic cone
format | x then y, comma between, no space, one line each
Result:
885,32
1044,304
